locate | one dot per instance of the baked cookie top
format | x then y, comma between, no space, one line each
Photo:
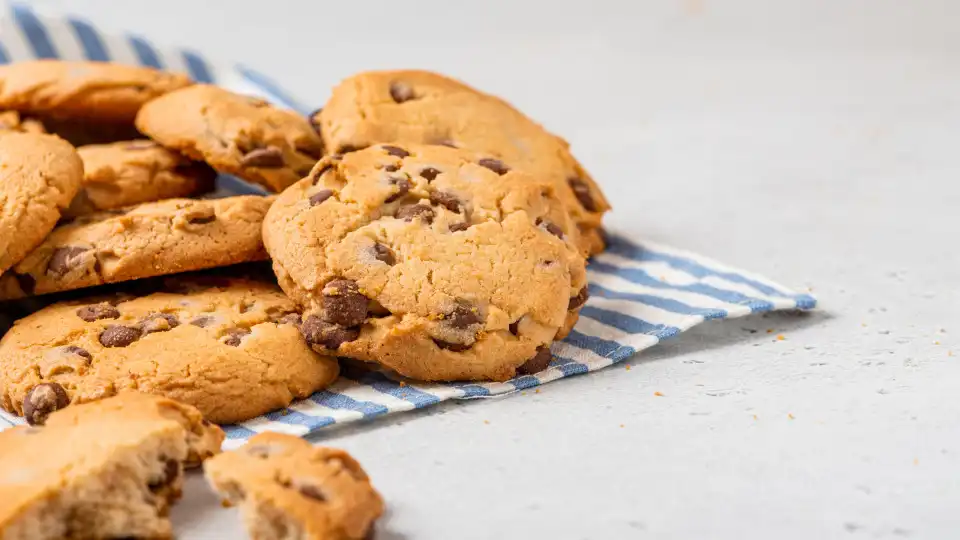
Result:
39,176
424,107
288,488
151,239
229,347
133,172
99,91
430,260
235,134
108,469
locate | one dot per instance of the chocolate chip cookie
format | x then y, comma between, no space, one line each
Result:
229,347
98,91
39,175
109,469
152,239
132,172
287,488
429,261
423,107
236,134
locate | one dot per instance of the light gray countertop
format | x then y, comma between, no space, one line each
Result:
816,142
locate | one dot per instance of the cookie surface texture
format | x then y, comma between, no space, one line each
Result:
424,107
108,469
287,488
98,91
229,347
39,176
133,172
151,239
425,260
235,134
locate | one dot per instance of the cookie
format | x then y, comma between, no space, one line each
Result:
13,121
423,107
132,172
109,469
236,134
151,239
39,176
426,260
230,347
287,488
98,91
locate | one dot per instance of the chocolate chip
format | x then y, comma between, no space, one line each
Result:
343,304
269,157
42,400
203,321
494,165
27,283
403,187
395,151
64,259
391,168
320,196
97,312
314,119
330,336
463,315
538,363
429,173
202,220
582,191
79,351
579,300
401,91
447,200
515,327
234,336
158,322
140,145
289,318
320,172
119,336
171,470
455,347
457,227
384,254
550,227
413,211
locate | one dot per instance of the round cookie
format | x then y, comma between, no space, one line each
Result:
426,260
424,107
132,172
14,121
288,488
39,176
236,134
229,347
151,239
99,91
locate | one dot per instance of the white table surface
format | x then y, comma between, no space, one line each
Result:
817,142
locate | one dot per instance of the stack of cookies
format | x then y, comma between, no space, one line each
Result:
417,224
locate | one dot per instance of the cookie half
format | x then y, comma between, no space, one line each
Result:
235,134
427,260
151,239
424,107
229,347
98,91
288,488
132,172
109,469
40,175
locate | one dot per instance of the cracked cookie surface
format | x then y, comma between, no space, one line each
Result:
108,469
424,107
151,239
235,134
133,172
39,176
429,261
99,91
288,488
229,347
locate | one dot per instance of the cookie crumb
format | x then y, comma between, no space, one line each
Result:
658,394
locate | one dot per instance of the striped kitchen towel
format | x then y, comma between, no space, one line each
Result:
640,292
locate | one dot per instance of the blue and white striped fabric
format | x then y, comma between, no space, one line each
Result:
640,293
